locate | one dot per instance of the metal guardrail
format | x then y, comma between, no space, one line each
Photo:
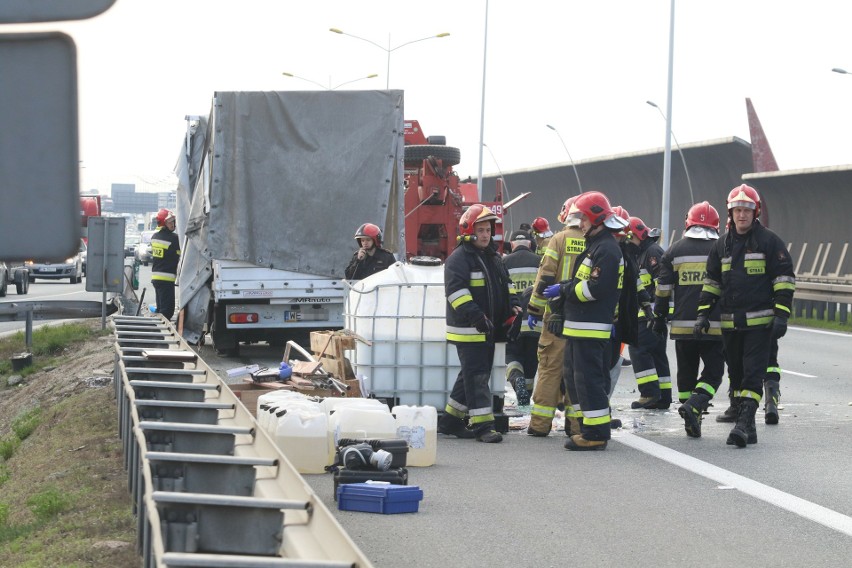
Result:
209,488
824,291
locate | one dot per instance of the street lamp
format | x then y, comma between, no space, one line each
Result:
503,179
685,169
841,71
329,88
579,187
388,49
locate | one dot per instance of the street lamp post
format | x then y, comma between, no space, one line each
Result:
841,71
503,179
388,49
577,175
329,88
677,145
665,238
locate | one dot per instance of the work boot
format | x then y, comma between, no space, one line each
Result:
573,426
772,396
730,414
647,402
490,437
665,400
519,383
535,433
745,431
454,426
615,423
692,411
578,443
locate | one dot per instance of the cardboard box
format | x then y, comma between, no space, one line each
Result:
379,498
249,392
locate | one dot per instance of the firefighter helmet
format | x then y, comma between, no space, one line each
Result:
541,227
621,212
638,228
595,206
474,214
371,231
566,208
164,215
702,215
745,196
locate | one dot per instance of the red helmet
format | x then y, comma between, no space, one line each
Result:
164,215
566,208
474,214
621,212
595,206
744,196
702,215
638,228
371,231
541,227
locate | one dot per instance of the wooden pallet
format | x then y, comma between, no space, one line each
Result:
328,348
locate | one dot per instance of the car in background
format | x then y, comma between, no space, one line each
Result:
131,240
143,249
84,254
16,275
71,268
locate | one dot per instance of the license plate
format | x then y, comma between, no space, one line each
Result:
47,270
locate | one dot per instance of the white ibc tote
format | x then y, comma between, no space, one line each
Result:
402,311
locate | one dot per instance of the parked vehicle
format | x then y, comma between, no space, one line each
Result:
17,275
71,268
143,249
274,279
131,240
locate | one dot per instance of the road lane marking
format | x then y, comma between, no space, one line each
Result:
798,374
823,332
797,505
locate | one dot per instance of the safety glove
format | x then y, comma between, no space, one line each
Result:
484,325
532,321
779,327
513,327
659,327
553,291
702,326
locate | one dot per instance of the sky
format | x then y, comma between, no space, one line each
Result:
585,67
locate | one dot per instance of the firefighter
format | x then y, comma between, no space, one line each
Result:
648,352
481,305
750,273
165,252
588,302
681,275
541,231
521,357
370,256
557,265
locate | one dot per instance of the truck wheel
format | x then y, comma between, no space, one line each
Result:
23,286
416,153
3,285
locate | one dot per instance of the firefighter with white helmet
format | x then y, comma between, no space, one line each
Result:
681,276
557,265
481,305
750,275
165,254
370,256
589,302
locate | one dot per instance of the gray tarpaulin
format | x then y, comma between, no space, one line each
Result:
284,180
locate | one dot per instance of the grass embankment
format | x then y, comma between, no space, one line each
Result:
63,489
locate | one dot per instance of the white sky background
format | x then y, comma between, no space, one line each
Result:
586,67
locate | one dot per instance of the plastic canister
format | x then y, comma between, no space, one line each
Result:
330,404
359,423
418,425
281,407
302,435
266,402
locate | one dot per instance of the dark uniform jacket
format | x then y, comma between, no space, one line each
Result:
476,282
165,251
751,276
360,269
682,272
523,267
592,295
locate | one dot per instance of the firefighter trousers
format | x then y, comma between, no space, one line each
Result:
586,376
773,370
549,389
471,392
747,355
651,365
690,353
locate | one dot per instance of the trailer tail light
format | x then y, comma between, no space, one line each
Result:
243,317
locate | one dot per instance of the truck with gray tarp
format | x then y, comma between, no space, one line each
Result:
271,188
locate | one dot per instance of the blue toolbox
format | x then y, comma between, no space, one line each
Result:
382,498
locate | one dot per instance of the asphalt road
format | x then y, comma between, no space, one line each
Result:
654,498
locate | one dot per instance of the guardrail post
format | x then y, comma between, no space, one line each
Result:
832,311
820,309
28,332
844,313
